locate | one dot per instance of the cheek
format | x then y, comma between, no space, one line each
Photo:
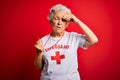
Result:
53,23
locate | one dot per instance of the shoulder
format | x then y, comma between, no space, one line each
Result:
45,37
75,34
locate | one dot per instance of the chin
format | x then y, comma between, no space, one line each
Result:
59,31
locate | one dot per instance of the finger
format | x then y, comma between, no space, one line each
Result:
35,45
68,19
40,41
71,20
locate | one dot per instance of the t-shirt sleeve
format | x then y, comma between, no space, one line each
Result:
81,40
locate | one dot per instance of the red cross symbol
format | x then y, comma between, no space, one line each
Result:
58,57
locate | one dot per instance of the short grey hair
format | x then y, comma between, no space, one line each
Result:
58,7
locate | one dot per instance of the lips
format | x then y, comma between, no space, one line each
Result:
59,26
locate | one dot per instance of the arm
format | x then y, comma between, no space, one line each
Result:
38,61
90,36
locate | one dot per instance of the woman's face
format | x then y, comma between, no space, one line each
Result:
58,22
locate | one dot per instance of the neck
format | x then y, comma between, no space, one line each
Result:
56,35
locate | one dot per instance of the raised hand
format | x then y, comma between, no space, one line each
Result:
38,45
70,18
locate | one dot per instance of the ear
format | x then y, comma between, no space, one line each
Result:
50,21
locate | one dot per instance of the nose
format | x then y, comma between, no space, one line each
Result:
59,22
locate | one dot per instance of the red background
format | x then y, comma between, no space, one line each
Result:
23,21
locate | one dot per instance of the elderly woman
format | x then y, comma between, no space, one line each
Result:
56,53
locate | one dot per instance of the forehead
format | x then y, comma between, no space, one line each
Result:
60,14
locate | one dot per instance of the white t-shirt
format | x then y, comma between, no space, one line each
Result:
60,56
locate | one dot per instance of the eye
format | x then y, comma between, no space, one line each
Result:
55,18
64,20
